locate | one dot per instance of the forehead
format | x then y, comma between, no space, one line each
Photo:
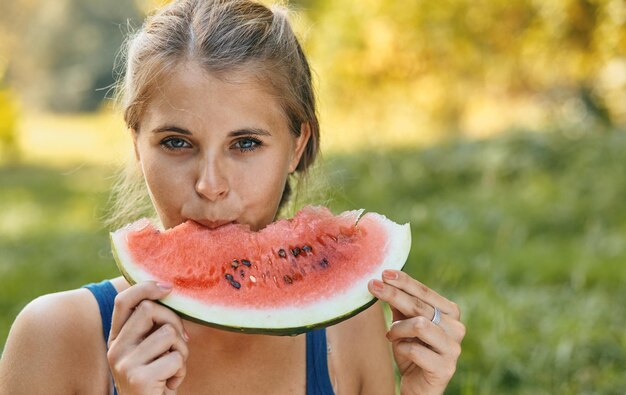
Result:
198,98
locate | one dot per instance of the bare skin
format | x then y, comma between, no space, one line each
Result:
218,151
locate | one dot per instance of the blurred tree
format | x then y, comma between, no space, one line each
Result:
456,66
8,117
61,53
443,59
147,6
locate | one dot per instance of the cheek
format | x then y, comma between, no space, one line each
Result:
262,189
165,184
270,187
264,185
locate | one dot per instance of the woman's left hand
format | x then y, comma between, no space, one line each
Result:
426,352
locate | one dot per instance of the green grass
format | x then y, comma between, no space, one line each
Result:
50,237
527,232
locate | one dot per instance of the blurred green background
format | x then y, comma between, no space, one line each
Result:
496,127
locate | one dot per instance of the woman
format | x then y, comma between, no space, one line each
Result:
220,105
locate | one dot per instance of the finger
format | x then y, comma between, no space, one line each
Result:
143,320
167,367
408,284
165,339
127,300
408,305
422,329
177,380
420,355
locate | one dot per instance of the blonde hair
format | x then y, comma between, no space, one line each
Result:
223,36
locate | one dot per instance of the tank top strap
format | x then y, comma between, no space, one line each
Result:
105,294
317,376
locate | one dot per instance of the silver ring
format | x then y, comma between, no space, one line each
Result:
436,317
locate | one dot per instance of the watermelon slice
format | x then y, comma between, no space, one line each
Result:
292,276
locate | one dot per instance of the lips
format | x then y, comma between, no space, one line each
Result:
213,224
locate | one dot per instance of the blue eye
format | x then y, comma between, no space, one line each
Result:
174,143
247,144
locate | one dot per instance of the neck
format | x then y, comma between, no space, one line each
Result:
219,340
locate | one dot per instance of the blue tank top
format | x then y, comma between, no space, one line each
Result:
317,377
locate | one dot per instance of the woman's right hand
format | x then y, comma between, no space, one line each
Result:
147,343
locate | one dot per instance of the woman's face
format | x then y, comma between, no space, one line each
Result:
215,151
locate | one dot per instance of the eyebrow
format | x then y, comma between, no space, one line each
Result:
248,131
234,133
170,128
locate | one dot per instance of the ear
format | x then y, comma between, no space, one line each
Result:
300,144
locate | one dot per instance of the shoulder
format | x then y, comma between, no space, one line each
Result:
55,336
360,344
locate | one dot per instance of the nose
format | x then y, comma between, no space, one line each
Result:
212,183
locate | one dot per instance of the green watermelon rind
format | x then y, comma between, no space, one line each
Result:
399,237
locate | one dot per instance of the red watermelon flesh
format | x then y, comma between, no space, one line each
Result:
293,275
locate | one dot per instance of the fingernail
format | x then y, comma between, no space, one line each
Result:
164,285
185,335
390,275
377,285
388,336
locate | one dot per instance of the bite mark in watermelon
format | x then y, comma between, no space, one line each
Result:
292,276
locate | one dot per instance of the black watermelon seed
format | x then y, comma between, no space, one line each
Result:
235,264
246,262
287,279
235,284
296,251
282,253
243,274
229,277
307,249
324,262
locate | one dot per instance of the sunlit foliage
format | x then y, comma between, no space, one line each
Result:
8,126
469,67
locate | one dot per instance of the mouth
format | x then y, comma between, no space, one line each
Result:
212,224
